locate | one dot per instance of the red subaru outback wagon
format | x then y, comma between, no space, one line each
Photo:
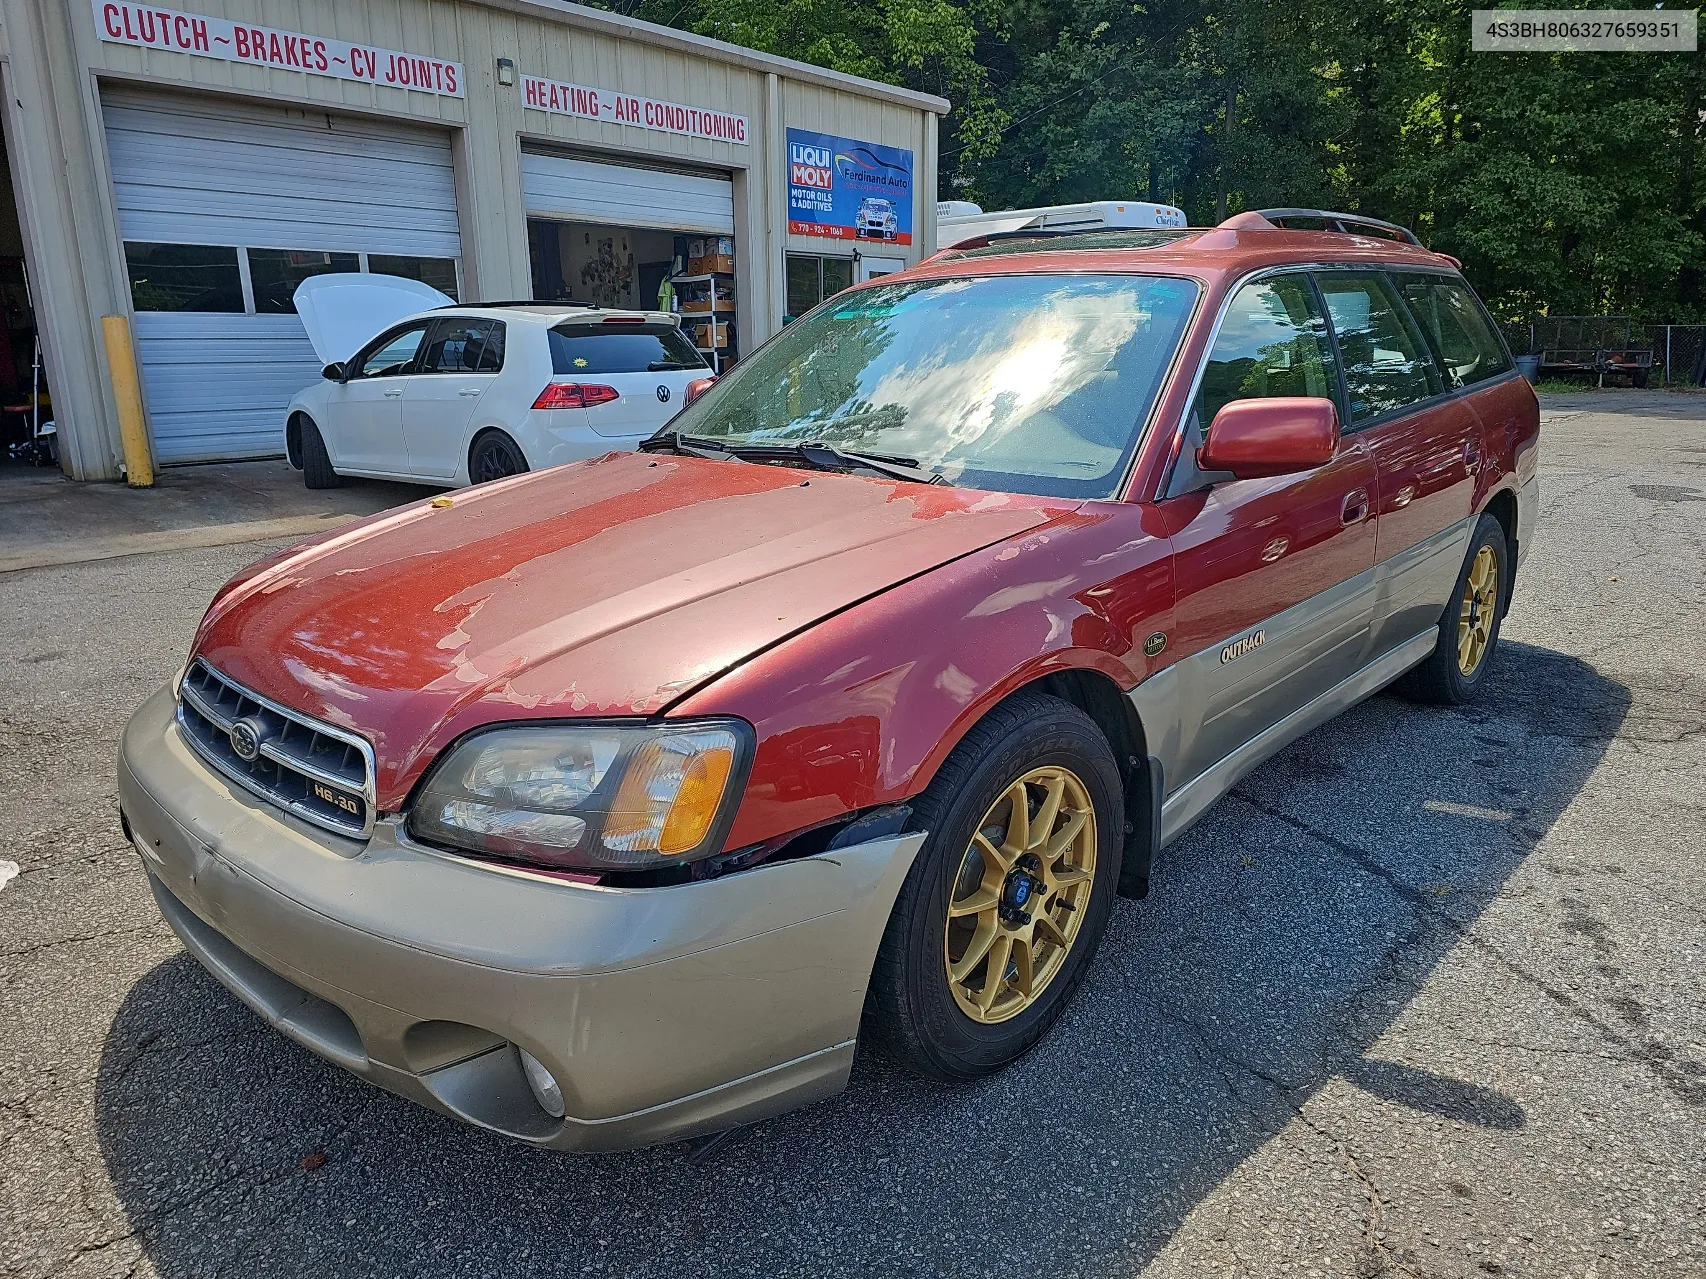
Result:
616,803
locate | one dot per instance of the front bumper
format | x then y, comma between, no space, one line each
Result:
663,1013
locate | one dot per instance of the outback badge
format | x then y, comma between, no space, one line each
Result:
1238,647
1155,643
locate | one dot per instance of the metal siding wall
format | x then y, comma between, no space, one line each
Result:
192,172
582,191
822,110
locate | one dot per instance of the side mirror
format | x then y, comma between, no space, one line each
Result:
1280,436
334,372
697,387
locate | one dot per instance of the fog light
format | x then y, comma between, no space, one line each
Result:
545,1090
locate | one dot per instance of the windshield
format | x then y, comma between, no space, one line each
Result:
1025,384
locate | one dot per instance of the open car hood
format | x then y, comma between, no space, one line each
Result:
605,588
343,309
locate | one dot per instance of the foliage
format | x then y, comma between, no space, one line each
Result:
1567,183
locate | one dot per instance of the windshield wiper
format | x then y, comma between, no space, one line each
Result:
825,457
688,446
830,458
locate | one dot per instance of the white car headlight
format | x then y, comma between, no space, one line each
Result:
588,797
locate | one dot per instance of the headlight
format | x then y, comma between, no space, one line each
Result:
590,797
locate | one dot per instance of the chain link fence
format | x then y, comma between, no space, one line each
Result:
1679,350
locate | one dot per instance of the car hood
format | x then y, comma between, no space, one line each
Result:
605,588
342,309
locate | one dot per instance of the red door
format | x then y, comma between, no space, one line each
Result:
1274,576
1426,454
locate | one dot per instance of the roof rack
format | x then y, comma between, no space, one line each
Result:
1344,223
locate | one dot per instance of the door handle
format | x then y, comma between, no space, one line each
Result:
393,394
469,391
1355,509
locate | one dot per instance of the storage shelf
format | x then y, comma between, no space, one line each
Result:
699,279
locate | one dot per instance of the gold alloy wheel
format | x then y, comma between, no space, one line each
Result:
1021,894
1480,607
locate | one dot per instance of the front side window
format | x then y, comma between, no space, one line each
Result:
438,272
275,273
1272,342
184,277
391,355
581,350
1027,384
464,346
1387,365
1460,329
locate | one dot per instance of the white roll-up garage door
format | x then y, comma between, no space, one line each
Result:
571,190
267,191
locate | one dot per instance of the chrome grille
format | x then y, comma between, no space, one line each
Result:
322,774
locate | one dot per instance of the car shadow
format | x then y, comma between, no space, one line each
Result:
1284,935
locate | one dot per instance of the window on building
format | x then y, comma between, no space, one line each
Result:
184,277
1387,364
812,279
438,272
1462,332
275,273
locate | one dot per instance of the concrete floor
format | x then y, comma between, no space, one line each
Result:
1421,998
46,518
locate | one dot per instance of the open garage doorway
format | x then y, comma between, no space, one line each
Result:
642,269
26,400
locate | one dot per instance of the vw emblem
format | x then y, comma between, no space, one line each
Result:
663,395
246,740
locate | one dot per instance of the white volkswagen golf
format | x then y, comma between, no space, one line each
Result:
418,388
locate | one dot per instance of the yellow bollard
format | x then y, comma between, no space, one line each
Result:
127,395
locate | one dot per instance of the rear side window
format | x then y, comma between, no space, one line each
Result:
1460,329
582,350
1387,364
1272,342
465,346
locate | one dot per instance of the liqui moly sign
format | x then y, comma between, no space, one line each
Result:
151,27
624,108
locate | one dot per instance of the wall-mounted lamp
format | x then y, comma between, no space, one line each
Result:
506,71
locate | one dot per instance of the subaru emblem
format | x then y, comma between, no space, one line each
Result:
663,395
246,740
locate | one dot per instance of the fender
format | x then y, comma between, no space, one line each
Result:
863,708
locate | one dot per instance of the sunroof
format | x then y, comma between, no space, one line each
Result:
1075,241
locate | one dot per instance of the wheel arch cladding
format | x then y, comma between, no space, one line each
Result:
1502,507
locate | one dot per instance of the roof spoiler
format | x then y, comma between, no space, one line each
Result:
1344,223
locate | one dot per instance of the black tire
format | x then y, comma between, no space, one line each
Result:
911,1012
494,457
1638,379
317,472
1441,680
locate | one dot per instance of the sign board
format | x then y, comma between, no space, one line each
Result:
845,189
624,108
151,27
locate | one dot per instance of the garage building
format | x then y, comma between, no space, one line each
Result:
187,169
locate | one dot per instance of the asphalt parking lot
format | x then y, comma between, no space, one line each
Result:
1422,998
